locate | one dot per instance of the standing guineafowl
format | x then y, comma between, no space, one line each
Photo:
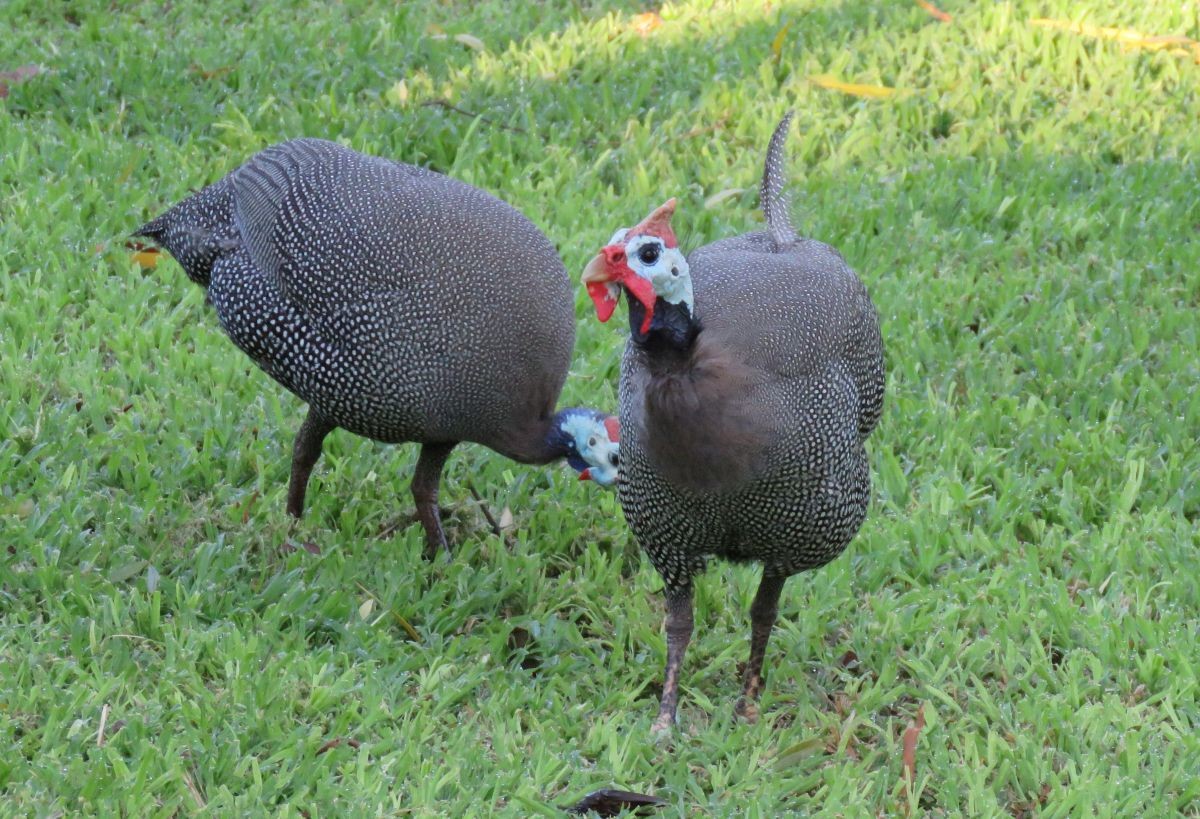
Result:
753,375
400,304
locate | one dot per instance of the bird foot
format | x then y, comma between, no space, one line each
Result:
435,544
747,710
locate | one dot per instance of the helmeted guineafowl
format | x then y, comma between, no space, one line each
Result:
752,377
400,304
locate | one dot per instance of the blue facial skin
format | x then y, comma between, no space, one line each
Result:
582,438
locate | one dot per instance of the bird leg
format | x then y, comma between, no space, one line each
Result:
763,612
426,479
678,625
305,452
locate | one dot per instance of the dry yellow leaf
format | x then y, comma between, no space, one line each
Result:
780,39
148,258
470,41
1127,37
644,24
717,198
875,92
398,93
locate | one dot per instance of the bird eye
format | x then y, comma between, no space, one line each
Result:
592,441
649,253
612,458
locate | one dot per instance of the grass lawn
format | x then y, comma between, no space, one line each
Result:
1025,214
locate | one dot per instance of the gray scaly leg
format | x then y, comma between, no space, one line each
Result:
426,479
763,612
305,452
678,626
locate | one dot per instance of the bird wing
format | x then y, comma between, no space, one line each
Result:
324,223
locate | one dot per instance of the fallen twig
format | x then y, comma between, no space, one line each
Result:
449,106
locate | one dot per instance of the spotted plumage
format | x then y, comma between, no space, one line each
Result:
744,414
400,304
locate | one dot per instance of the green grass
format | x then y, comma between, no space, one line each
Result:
1026,220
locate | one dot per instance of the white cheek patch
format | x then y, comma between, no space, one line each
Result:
583,430
669,275
619,236
672,279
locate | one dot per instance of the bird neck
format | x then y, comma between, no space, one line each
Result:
673,328
546,438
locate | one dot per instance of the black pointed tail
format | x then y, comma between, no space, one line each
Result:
196,231
774,199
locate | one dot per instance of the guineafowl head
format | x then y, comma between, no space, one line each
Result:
590,441
645,261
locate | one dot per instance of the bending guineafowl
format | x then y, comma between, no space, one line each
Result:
400,304
753,374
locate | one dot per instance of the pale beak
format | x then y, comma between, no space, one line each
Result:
596,271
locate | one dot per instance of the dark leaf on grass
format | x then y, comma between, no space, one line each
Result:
17,75
911,734
609,802
333,743
289,547
848,660
520,640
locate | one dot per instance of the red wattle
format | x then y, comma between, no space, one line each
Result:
643,291
603,300
586,475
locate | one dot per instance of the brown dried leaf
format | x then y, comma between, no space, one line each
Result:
909,742
289,547
17,75
209,74
333,743
645,24
934,11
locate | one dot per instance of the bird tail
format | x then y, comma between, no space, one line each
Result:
196,231
155,230
775,201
